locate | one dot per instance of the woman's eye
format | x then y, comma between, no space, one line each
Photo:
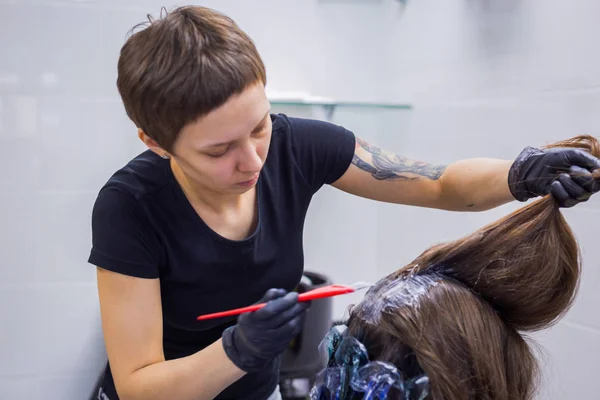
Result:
217,155
263,130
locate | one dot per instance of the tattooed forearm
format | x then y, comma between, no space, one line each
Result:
364,165
386,166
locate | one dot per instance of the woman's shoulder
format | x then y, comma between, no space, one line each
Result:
320,150
144,174
124,238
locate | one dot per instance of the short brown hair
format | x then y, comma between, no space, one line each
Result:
182,66
465,329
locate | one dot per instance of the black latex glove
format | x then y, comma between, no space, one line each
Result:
566,173
260,336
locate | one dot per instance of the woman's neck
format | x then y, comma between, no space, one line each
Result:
201,196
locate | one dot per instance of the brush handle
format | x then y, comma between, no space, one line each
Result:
319,293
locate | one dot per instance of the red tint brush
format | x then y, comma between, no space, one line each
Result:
319,293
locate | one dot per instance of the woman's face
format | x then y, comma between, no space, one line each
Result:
225,150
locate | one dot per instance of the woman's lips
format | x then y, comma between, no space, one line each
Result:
249,182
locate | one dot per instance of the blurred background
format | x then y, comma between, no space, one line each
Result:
437,80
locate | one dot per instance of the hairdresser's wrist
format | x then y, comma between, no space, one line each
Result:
518,172
240,352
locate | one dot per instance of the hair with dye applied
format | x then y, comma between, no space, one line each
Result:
460,312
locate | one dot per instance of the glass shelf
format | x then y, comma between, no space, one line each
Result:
341,104
386,124
329,106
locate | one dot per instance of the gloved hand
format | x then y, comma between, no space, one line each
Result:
566,173
260,336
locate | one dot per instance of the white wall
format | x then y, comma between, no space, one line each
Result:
486,78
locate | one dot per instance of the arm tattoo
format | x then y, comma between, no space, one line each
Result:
386,166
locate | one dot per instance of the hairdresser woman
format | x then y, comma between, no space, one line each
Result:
211,216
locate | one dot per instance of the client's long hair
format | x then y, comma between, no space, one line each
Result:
463,324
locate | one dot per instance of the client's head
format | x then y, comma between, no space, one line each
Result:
458,314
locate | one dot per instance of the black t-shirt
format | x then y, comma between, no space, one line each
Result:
144,226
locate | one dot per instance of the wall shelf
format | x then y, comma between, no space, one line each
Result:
330,105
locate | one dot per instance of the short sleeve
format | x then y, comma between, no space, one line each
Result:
122,238
323,150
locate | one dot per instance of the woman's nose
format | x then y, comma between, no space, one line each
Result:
250,161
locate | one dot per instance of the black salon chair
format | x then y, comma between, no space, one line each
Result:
300,361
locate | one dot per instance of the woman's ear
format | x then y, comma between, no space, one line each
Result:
152,144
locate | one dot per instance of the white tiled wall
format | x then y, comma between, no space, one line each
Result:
486,78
